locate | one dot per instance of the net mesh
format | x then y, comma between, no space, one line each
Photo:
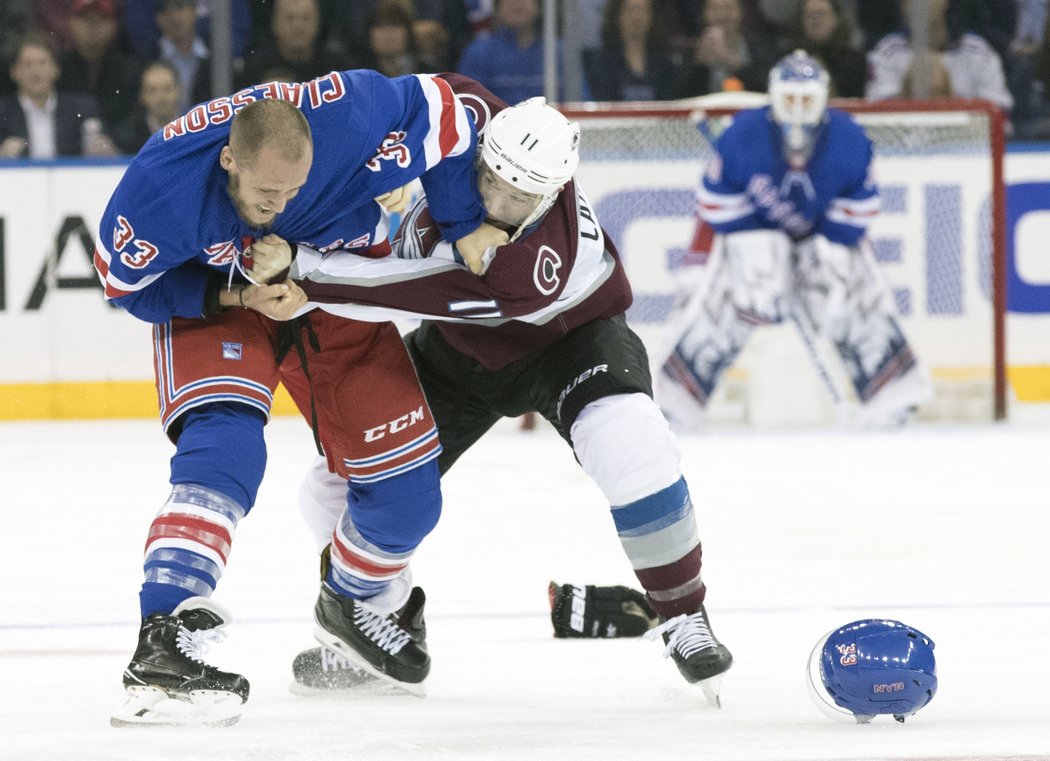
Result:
933,238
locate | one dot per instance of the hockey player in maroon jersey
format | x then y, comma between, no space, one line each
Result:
541,327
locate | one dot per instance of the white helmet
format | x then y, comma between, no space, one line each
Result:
798,94
532,147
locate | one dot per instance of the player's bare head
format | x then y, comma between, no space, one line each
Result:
268,159
273,125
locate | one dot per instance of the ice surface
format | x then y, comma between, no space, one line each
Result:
947,529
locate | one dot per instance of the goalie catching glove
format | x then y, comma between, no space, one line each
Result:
599,612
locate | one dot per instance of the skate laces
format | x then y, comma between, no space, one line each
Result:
195,644
333,661
687,633
380,629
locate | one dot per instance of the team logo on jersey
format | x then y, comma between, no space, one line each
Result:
220,254
393,148
477,108
232,350
545,273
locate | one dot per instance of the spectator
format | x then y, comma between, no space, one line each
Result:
96,65
634,62
995,20
51,20
783,15
822,30
182,47
392,49
877,20
1035,125
296,49
14,23
957,65
1015,28
509,59
723,56
144,33
159,94
41,123
442,29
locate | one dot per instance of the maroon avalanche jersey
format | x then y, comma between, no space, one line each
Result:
562,273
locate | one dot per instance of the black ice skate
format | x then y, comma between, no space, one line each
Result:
374,642
168,683
696,651
320,671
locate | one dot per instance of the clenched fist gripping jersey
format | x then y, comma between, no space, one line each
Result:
171,220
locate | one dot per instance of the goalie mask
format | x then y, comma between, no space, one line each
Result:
534,151
873,667
798,94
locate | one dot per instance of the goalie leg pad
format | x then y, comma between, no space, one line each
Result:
746,285
760,275
841,292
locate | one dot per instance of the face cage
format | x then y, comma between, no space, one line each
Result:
798,142
799,126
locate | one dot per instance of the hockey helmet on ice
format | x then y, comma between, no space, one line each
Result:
798,95
872,667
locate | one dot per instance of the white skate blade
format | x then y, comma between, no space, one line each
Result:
153,707
335,644
712,689
371,689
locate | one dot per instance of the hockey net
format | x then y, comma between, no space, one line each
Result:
939,241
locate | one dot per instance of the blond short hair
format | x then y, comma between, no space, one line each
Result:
273,124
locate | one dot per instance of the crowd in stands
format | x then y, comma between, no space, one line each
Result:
97,77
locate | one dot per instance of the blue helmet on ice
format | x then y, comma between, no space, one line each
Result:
873,667
798,96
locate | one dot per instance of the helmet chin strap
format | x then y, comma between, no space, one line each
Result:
541,208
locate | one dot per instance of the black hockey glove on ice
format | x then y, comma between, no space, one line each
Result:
599,612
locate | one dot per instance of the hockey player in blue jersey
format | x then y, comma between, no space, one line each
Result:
303,163
789,191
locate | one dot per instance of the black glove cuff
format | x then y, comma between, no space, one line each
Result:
212,308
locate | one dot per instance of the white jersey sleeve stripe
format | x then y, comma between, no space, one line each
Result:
719,208
114,286
847,211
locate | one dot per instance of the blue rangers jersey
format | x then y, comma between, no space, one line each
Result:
749,185
171,224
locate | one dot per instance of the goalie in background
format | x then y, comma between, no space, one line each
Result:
789,191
